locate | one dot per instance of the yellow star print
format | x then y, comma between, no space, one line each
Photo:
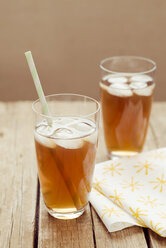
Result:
156,228
117,198
110,211
113,168
160,182
99,193
163,215
133,184
97,183
160,155
148,201
146,166
137,214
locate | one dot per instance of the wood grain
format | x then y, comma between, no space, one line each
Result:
65,233
18,191
17,176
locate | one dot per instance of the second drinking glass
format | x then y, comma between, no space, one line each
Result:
127,86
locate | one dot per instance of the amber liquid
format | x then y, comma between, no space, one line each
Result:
65,175
125,120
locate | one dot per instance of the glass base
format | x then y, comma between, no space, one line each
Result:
66,215
120,154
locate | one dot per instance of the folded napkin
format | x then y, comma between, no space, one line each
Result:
132,191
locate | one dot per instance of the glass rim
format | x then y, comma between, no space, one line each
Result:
131,57
66,94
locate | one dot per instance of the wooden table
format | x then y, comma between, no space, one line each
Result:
24,222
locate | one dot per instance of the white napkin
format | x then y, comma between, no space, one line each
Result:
132,191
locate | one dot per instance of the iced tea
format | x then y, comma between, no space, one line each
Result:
66,156
126,106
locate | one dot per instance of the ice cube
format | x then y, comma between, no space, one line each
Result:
148,91
105,87
120,90
83,126
92,138
63,132
45,141
138,85
44,129
141,78
106,77
120,86
70,144
117,79
64,121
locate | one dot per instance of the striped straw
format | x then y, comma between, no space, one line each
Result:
37,83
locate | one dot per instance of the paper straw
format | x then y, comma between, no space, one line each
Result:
37,83
73,192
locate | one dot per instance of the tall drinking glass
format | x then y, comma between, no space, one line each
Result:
66,143
126,86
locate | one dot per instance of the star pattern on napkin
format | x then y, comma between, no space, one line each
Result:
160,182
162,215
137,214
148,200
159,155
156,227
117,198
132,184
113,168
97,183
132,191
109,211
145,165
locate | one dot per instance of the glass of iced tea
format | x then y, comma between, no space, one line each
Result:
126,86
66,143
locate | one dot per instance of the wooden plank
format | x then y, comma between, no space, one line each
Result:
155,241
18,175
158,125
65,233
